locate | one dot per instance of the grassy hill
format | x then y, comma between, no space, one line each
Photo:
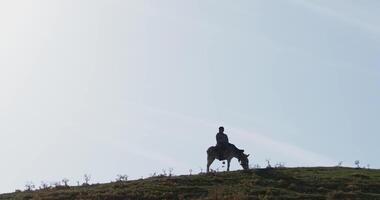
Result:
278,183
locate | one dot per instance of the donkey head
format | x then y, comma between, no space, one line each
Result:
243,159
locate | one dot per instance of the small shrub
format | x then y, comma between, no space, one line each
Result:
65,182
44,186
280,165
170,170
357,163
29,186
256,166
269,166
120,177
56,184
87,178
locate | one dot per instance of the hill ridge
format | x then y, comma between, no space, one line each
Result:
274,183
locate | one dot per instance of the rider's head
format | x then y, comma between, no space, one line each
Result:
221,129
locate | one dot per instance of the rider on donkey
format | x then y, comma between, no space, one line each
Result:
225,151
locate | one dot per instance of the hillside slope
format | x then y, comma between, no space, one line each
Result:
279,183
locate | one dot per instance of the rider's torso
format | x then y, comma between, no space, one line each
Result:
221,139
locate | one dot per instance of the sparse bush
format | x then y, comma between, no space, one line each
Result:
58,185
44,185
121,177
170,170
357,163
29,186
154,174
268,164
65,182
280,165
87,178
256,166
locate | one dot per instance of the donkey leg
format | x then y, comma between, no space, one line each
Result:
228,164
209,162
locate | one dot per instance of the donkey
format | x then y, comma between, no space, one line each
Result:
230,152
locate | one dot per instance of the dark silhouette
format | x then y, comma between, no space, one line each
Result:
222,143
221,137
225,151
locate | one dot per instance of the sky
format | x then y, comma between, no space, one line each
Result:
107,87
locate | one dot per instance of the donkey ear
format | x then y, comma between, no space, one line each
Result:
241,150
247,156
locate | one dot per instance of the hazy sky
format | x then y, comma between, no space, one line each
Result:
133,87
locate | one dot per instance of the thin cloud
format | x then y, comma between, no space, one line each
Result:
338,15
154,155
286,151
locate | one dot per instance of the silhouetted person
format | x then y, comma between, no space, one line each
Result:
221,141
221,137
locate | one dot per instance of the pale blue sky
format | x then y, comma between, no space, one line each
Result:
132,87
